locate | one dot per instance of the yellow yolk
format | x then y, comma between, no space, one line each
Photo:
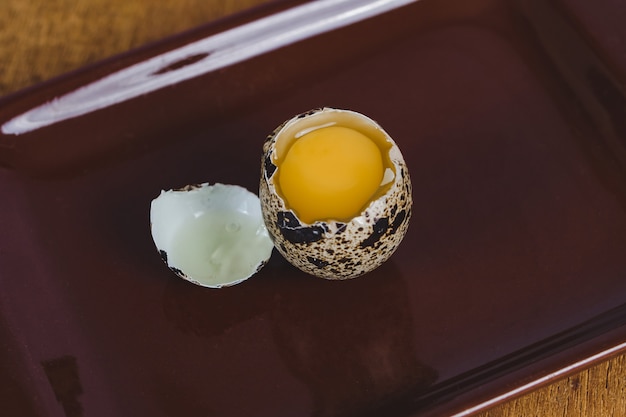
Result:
330,173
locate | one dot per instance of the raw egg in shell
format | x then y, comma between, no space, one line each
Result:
335,193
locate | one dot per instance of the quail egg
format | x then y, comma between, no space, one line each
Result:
211,235
335,193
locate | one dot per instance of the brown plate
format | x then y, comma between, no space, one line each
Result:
510,115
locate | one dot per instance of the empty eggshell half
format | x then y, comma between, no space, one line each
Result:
211,235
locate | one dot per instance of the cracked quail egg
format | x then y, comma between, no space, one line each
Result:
211,235
335,193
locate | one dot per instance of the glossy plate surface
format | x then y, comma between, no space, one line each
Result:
511,119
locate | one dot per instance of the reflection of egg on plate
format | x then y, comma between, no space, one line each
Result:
335,193
211,235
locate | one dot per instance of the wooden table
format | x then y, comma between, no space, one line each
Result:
41,39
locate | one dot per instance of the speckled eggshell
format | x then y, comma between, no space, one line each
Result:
332,249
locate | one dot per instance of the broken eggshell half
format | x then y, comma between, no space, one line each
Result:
211,235
336,249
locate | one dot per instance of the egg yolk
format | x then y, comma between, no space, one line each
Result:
330,173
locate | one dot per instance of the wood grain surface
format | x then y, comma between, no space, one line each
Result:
42,39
